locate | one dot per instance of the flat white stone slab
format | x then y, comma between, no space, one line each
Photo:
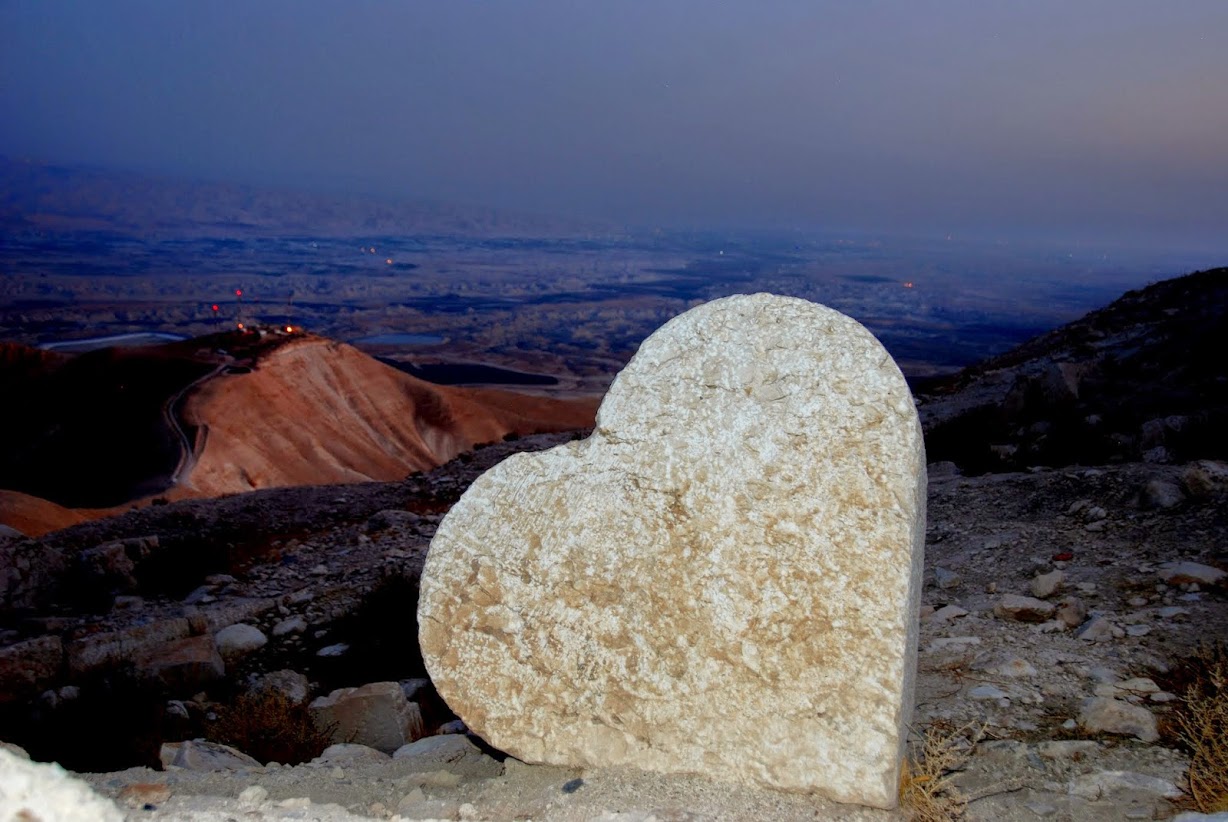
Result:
723,579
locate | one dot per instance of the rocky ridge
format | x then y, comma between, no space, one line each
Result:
1057,607
1143,379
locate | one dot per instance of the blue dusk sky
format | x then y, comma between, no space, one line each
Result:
1103,120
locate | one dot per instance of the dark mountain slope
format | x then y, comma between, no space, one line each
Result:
1143,378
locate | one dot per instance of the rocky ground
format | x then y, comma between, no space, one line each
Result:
1058,605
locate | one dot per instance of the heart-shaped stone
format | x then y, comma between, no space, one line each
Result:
723,579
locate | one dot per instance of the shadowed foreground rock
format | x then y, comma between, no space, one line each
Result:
723,579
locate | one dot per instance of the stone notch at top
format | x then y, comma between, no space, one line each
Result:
723,579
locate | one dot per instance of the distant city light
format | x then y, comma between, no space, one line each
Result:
289,329
240,326
908,284
388,261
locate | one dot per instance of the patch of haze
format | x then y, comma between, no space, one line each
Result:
1102,119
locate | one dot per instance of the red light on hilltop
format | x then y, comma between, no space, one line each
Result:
238,292
214,307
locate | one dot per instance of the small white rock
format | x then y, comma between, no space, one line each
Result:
1179,573
237,641
1046,585
253,796
340,649
293,625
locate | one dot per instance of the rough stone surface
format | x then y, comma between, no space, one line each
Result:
376,715
1114,716
1180,573
202,755
290,684
1046,585
1024,609
28,665
723,579
184,666
32,791
237,641
347,753
1162,494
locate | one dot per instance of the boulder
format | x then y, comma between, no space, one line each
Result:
723,579
113,566
237,641
201,755
1205,477
1161,494
1098,629
111,647
293,625
454,753
184,666
1046,585
1024,609
1071,612
290,685
1114,716
34,791
376,715
28,666
1183,573
347,753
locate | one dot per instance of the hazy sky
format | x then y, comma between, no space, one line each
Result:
1096,119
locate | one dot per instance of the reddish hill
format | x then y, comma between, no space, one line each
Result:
34,517
102,431
313,411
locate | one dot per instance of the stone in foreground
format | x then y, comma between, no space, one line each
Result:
32,791
376,715
723,579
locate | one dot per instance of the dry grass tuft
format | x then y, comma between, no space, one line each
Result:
1203,724
270,727
927,789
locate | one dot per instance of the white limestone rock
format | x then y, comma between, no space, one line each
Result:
723,579
1183,573
34,791
1046,585
237,641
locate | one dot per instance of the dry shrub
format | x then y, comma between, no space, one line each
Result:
270,727
927,788
1203,724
